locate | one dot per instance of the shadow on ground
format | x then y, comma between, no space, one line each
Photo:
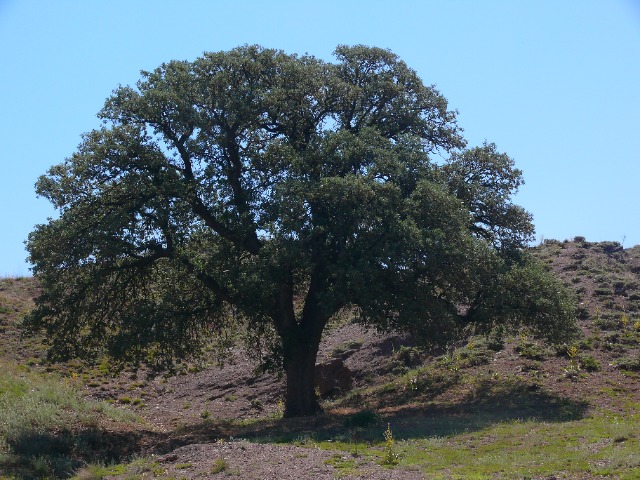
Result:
60,454
490,403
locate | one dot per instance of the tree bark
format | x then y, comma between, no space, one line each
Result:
299,364
300,351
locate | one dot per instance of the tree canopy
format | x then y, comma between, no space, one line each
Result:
276,190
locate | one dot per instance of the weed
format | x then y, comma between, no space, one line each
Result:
573,369
278,413
391,457
205,414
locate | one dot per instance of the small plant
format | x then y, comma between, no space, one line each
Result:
636,326
624,320
573,369
219,465
279,409
597,312
205,414
390,455
412,384
450,361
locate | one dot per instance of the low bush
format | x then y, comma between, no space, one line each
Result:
589,363
531,350
631,364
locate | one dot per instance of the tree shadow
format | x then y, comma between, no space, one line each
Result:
490,403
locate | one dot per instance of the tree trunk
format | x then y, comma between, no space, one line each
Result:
299,364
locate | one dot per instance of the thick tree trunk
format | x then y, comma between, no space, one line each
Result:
299,365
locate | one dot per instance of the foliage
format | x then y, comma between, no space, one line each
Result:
264,192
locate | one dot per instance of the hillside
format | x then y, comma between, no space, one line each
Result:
482,409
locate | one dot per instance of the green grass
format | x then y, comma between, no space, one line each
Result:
46,427
603,444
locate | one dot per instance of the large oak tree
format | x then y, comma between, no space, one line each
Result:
275,190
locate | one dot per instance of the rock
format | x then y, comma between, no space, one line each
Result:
333,377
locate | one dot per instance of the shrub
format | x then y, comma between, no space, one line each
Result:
410,356
531,350
362,419
474,354
629,364
589,363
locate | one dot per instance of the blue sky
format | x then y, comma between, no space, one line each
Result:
555,84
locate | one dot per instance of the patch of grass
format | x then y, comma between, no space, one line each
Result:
345,464
219,465
134,469
347,348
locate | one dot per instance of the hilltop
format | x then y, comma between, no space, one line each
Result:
497,409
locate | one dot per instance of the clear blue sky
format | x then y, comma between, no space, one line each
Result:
555,84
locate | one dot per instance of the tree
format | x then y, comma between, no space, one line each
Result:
276,190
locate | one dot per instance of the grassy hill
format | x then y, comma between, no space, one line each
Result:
485,408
